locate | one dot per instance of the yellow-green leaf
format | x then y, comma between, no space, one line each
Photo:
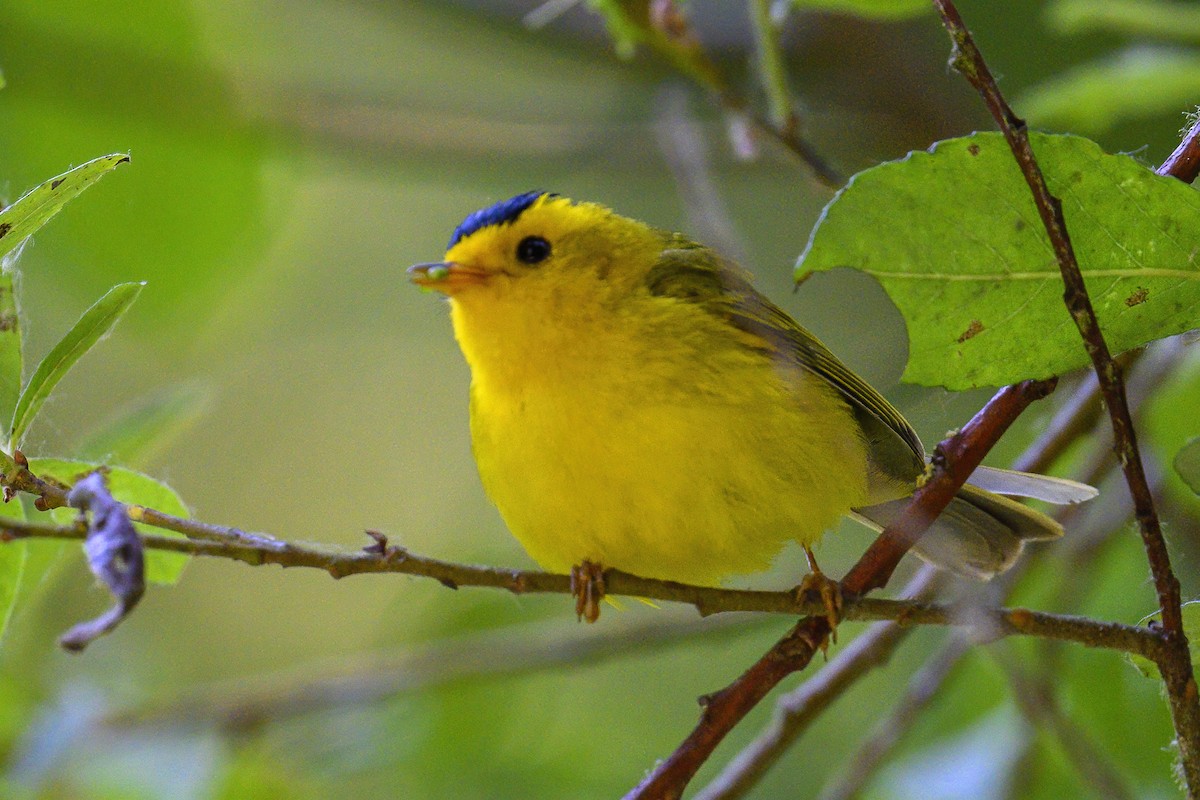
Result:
91,327
35,208
11,364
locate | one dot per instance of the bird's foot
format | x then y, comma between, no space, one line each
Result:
816,585
587,586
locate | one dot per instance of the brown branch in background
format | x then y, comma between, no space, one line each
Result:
666,30
1175,661
1037,702
953,461
1074,418
238,706
920,693
796,711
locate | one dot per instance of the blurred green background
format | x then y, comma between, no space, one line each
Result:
289,159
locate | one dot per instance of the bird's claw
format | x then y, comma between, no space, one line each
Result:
817,586
587,586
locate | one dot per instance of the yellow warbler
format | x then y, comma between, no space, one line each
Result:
636,404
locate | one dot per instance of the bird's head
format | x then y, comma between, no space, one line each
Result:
539,247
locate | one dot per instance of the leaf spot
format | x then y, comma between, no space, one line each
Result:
57,182
973,149
1138,297
973,330
5,227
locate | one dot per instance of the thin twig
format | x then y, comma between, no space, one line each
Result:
954,459
674,39
797,710
1074,418
771,67
235,706
1184,163
706,599
920,692
1175,661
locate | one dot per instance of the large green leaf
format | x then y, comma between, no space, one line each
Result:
954,238
130,487
35,208
91,327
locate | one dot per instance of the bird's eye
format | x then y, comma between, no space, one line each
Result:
533,249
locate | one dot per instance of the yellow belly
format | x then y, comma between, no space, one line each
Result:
677,480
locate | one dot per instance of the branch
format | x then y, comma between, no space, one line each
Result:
384,558
1184,163
1175,664
667,31
796,711
920,692
771,68
953,461
242,705
1037,702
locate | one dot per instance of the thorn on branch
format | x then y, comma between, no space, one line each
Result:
381,548
114,555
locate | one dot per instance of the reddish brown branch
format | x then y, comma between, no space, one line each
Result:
953,461
957,457
1184,163
1175,662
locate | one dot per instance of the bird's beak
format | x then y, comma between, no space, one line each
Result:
446,276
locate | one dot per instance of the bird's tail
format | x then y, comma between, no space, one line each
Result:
981,533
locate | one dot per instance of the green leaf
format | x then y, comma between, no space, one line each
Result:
91,327
1191,628
878,9
35,208
1187,464
953,236
10,335
128,487
1158,19
141,432
1136,84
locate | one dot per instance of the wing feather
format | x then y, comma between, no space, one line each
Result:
694,273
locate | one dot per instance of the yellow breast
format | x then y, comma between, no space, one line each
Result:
651,439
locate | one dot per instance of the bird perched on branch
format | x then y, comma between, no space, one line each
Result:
637,404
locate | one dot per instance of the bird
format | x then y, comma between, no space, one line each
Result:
636,404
